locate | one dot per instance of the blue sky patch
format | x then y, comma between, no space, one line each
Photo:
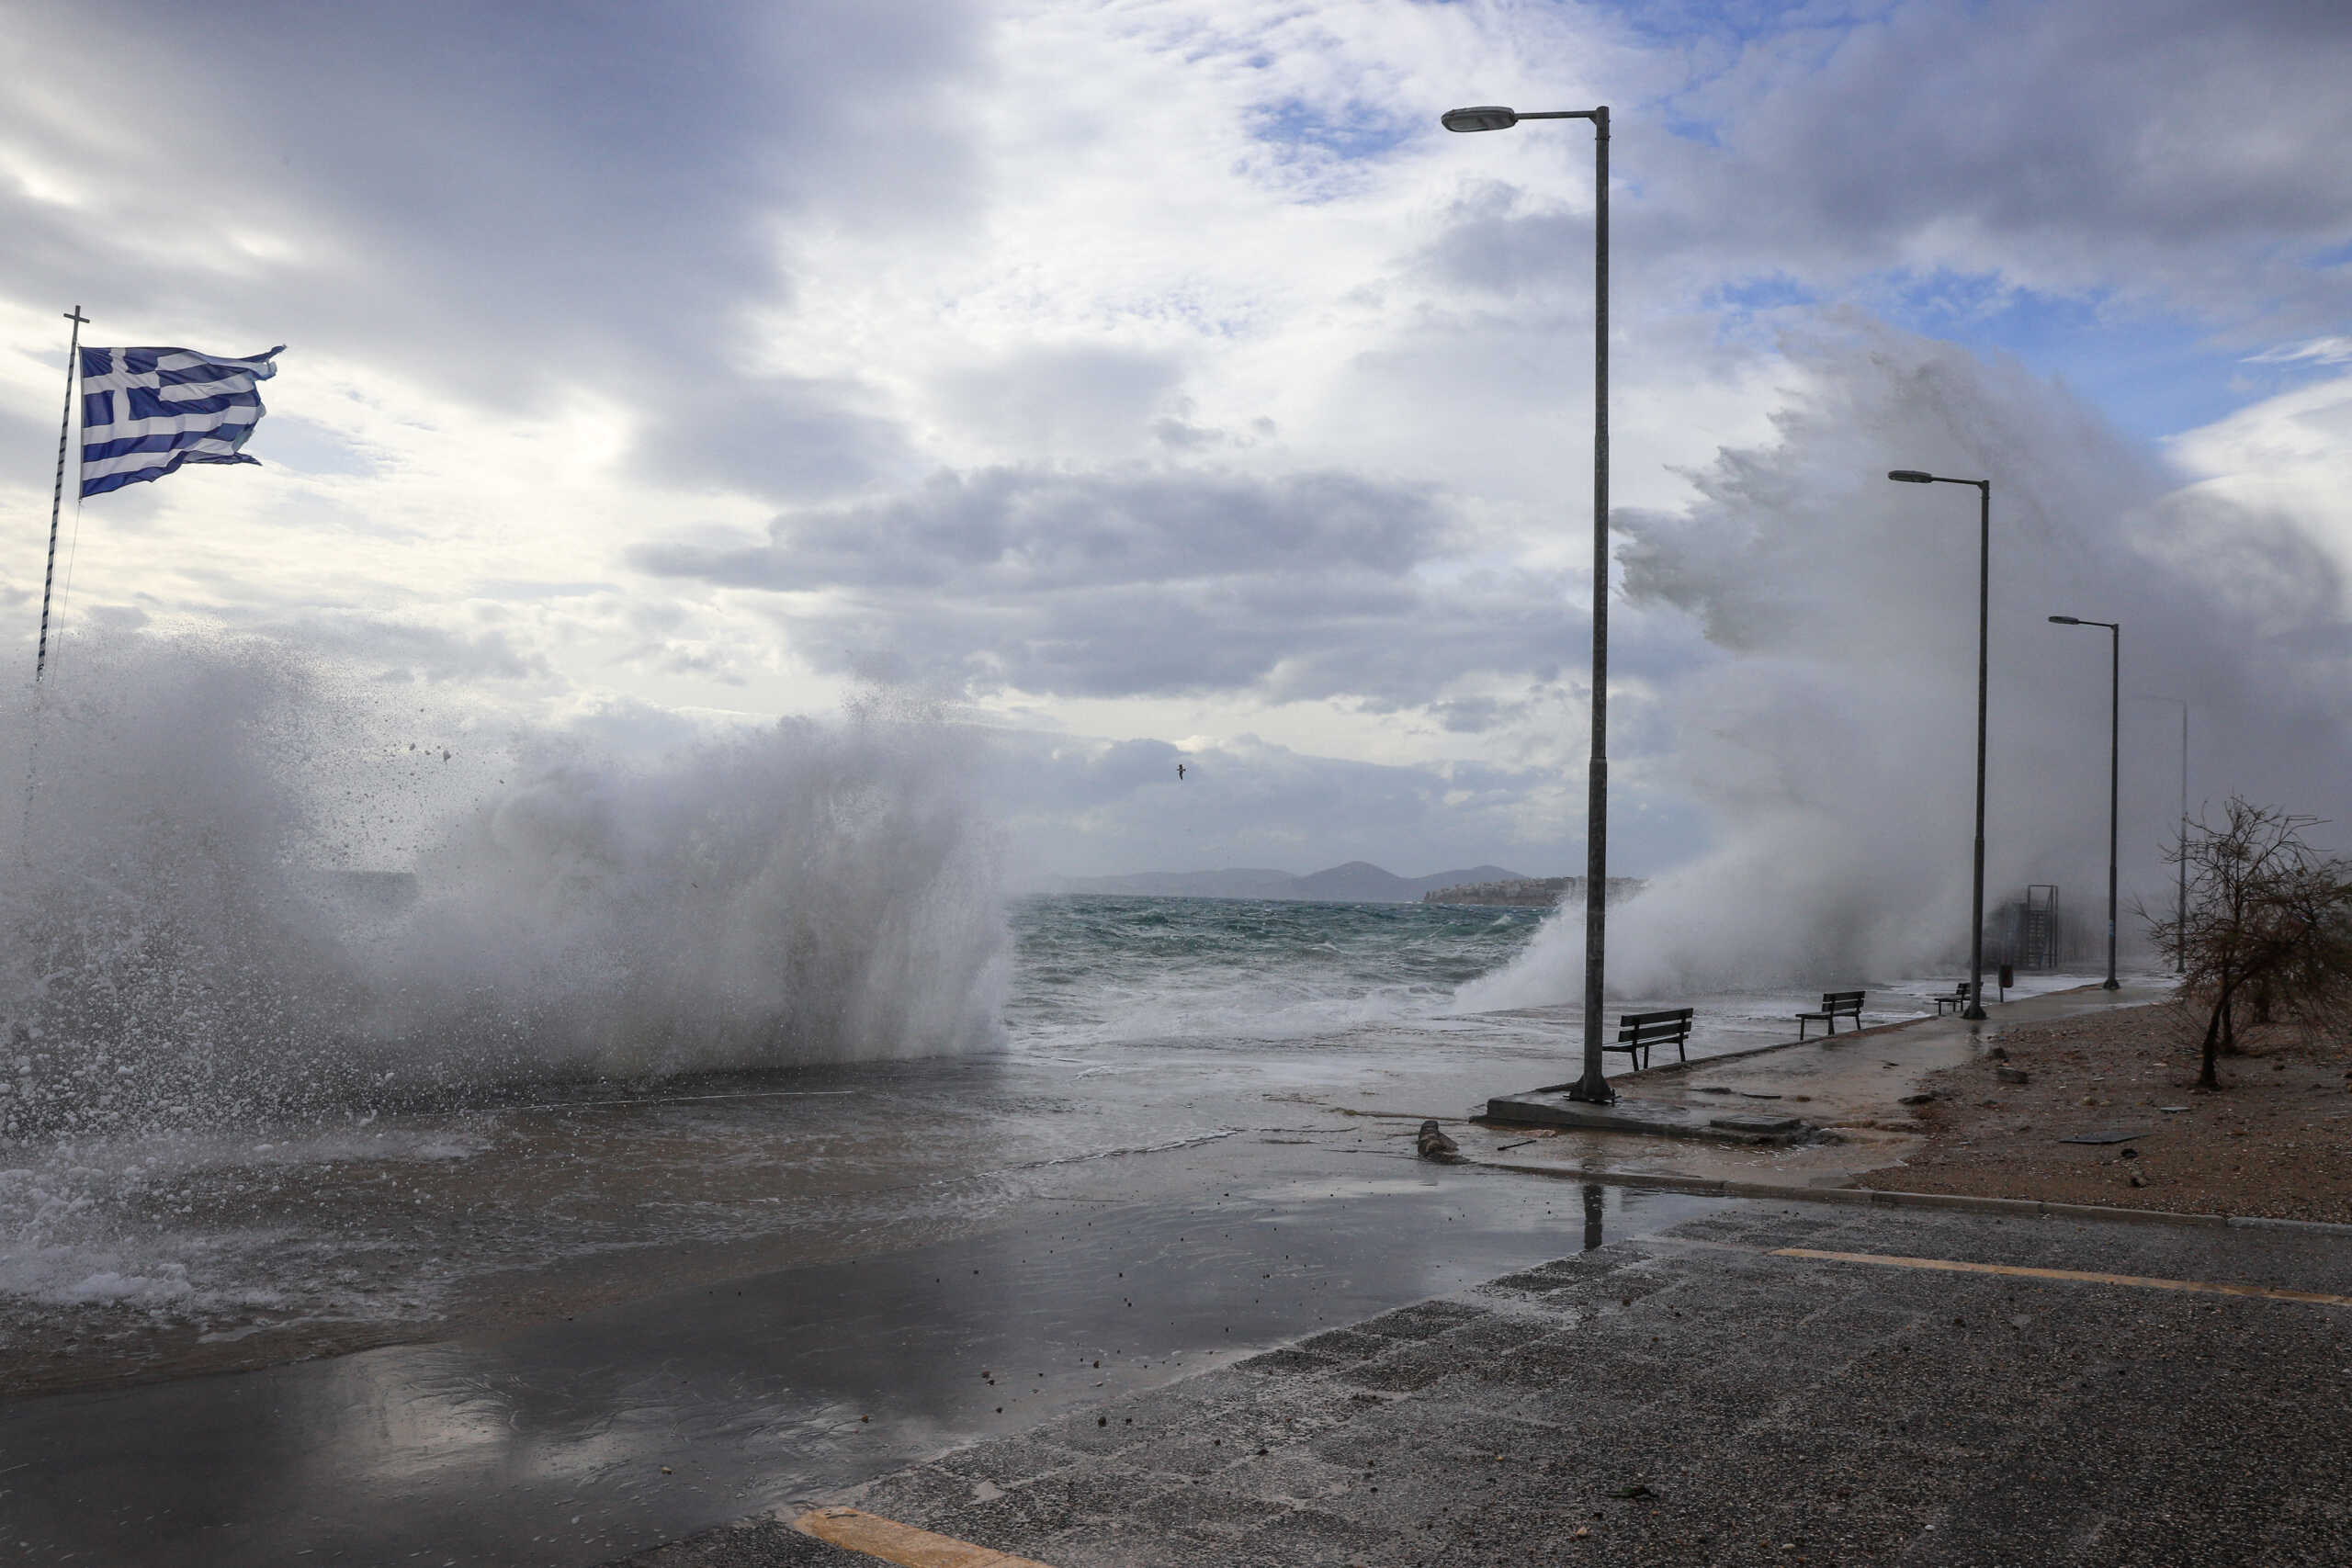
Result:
2153,374
1356,132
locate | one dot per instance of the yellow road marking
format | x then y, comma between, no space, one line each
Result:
1954,1266
858,1531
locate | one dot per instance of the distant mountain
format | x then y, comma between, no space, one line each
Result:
1533,893
1358,882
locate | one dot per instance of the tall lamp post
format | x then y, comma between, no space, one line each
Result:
2180,908
1975,1009
2114,756
1592,1086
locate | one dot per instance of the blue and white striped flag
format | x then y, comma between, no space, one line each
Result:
147,410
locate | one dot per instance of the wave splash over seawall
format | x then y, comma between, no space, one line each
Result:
1822,718
246,890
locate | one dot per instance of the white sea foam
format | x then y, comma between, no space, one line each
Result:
191,972
1832,737
181,945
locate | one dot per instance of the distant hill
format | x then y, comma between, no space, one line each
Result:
1531,893
1358,882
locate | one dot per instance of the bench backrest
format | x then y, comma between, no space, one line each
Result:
1841,1001
1646,1027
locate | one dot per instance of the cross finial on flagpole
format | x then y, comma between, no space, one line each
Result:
76,316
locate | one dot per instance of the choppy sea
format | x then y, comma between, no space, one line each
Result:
1098,970
1130,1026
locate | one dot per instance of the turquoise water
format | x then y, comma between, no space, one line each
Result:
1099,968
1371,979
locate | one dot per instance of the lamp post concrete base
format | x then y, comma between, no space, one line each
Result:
1647,1118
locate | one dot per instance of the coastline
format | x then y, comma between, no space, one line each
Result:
888,1178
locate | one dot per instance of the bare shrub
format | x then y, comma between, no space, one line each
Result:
2268,925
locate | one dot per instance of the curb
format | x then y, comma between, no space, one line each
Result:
1870,1196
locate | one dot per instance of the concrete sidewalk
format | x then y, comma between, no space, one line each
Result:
1853,1086
1699,1397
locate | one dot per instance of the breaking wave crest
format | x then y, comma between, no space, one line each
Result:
1826,724
241,891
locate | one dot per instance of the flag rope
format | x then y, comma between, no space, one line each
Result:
57,491
65,594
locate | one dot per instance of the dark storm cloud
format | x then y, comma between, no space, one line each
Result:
1020,530
2171,151
499,201
776,436
1127,583
1493,245
2087,140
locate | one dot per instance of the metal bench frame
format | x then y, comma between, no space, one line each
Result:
1956,1001
1637,1032
1835,1005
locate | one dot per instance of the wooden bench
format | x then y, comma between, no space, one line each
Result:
1957,1001
1637,1032
1835,1005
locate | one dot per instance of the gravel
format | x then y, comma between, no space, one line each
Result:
2275,1141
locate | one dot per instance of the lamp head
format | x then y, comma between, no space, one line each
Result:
1486,117
2064,621
1910,476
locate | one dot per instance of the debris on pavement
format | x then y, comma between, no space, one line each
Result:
1433,1144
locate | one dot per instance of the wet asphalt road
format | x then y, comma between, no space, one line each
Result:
1688,1397
579,1441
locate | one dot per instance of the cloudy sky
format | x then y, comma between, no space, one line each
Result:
1155,378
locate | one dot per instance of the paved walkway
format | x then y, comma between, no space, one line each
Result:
1853,1083
1719,1392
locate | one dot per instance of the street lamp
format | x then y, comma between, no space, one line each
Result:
1975,1009
2114,752
2180,909
1593,1086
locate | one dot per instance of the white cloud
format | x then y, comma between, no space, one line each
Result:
2288,460
1132,368
2318,351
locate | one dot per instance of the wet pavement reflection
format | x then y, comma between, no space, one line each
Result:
576,1441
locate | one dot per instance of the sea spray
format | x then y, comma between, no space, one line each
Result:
1832,738
184,940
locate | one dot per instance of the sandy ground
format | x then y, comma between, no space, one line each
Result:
2274,1140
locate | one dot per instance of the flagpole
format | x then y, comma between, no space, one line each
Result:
57,491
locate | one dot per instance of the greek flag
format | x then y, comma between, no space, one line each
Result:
147,410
